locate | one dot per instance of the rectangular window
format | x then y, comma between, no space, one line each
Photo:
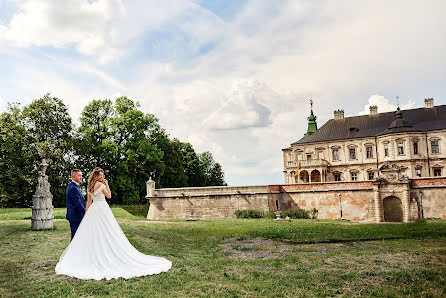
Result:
308,156
352,153
371,175
369,152
337,177
437,172
434,147
415,148
418,172
354,176
400,149
335,154
386,150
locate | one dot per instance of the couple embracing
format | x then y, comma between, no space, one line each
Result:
98,248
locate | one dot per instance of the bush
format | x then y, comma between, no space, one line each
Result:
249,214
299,213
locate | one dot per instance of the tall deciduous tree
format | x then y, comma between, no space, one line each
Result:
50,127
192,166
119,138
17,160
213,173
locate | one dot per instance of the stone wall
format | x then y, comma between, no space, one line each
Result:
359,200
356,199
433,196
207,202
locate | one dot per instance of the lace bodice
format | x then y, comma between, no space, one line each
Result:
98,195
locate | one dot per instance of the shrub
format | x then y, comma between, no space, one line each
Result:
299,213
313,213
249,214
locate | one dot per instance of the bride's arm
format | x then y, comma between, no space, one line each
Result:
88,202
106,190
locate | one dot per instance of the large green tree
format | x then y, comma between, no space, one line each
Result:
192,166
43,129
119,138
50,127
116,135
213,172
17,160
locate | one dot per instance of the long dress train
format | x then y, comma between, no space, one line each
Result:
101,250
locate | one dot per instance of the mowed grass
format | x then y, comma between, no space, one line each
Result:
323,258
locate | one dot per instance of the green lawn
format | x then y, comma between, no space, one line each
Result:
238,258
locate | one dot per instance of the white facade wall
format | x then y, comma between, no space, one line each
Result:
321,155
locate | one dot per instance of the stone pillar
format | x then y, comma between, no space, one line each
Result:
150,188
379,215
405,200
42,209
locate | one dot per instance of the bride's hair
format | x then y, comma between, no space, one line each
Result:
93,178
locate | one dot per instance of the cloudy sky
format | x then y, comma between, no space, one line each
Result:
231,77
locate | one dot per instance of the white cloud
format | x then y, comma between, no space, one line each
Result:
246,98
242,109
384,105
63,23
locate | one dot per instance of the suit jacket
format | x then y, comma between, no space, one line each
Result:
75,203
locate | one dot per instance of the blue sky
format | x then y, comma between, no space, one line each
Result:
231,77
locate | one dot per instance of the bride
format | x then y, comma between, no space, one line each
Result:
99,248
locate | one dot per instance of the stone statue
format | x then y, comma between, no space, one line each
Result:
42,210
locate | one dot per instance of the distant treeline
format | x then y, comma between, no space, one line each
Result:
115,135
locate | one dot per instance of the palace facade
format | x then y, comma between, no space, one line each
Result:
357,148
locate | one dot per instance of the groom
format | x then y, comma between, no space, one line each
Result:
75,201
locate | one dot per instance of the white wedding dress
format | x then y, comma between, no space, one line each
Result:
100,249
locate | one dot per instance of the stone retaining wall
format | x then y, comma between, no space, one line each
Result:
359,200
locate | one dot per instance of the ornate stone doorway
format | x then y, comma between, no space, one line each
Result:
393,209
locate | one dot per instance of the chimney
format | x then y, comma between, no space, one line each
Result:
429,103
339,114
373,110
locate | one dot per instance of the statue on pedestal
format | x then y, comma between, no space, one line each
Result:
42,209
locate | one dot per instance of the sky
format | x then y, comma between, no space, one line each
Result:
230,77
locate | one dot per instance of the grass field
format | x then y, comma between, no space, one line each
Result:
238,258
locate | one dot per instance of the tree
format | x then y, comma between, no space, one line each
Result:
50,129
213,173
192,166
120,140
17,161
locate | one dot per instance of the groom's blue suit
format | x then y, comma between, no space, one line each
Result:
75,207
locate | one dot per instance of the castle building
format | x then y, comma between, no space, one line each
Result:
382,167
357,148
